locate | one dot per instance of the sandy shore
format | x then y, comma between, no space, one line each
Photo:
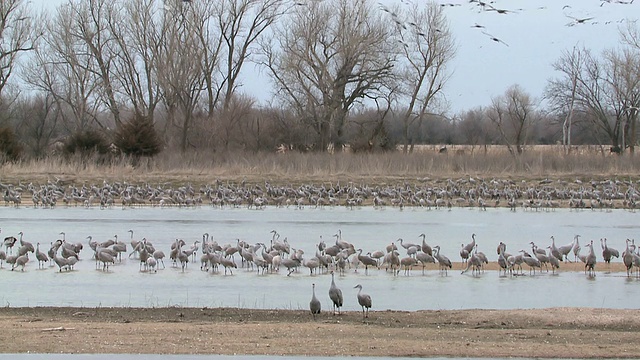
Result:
556,332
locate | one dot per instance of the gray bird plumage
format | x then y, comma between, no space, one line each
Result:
335,295
314,304
364,300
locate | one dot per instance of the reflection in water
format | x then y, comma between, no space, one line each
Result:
367,228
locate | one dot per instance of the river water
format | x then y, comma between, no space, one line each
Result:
368,228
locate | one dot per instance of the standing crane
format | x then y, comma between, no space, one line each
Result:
335,294
314,304
364,300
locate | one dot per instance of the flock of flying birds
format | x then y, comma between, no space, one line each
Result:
490,6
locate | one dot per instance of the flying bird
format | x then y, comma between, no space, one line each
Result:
495,38
576,21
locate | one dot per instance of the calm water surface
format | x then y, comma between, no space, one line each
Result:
368,228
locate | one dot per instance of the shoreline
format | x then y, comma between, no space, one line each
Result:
553,332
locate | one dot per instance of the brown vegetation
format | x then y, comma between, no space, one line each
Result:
296,168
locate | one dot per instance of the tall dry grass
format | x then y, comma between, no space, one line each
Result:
295,167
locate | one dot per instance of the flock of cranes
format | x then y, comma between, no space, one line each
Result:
333,258
480,193
340,256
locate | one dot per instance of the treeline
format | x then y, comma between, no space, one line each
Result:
144,76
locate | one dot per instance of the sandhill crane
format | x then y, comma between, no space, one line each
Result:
67,251
290,264
366,261
532,262
377,255
183,258
312,264
590,262
314,304
53,250
9,242
407,263
576,248
21,260
627,258
407,246
465,252
482,257
159,256
71,262
607,252
502,248
425,247
341,243
335,294
536,250
228,265
394,262
473,262
11,260
391,247
105,258
332,250
93,244
636,263
443,261
151,264
42,257
61,262
191,251
364,300
554,250
424,259
555,263
143,255
541,255
119,247
27,246
564,250
502,260
515,260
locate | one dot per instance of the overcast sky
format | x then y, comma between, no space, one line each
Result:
534,32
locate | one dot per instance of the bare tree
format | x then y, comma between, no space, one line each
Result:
426,46
513,115
325,58
37,118
18,34
472,128
624,81
241,23
61,67
178,68
570,65
136,42
90,26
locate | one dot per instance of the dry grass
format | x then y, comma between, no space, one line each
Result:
314,167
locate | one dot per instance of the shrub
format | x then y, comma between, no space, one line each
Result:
86,142
9,146
138,137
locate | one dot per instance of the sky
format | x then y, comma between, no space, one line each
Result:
532,33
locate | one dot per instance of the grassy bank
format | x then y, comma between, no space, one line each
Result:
313,167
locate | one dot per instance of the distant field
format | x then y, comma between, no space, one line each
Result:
425,162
